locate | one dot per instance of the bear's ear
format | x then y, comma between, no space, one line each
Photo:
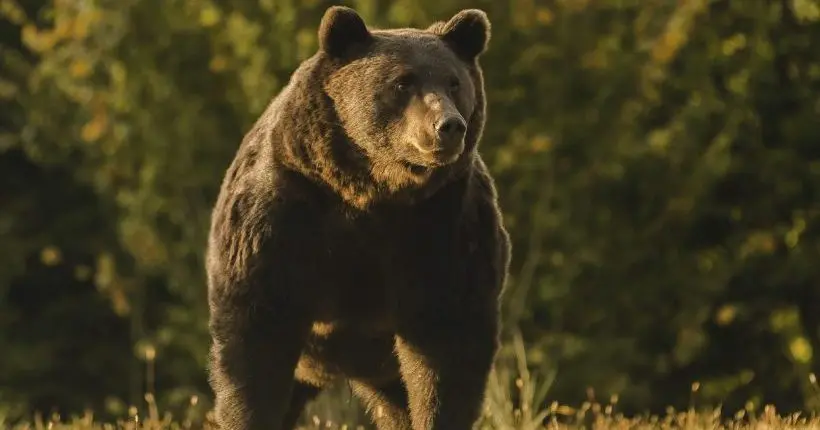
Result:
341,30
467,33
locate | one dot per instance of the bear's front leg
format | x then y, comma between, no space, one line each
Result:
448,331
261,281
445,364
253,356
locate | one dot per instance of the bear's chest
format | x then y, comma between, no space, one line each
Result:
359,259
371,262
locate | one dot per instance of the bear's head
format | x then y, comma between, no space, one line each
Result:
411,100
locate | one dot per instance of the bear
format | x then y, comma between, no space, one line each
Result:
357,235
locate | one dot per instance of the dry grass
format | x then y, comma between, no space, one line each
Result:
510,379
591,416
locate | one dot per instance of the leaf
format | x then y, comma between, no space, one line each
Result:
209,16
94,129
80,68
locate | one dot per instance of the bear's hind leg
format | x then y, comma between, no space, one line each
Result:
386,404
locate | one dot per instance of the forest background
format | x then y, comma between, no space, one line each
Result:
658,165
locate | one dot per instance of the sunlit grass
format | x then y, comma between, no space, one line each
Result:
588,416
510,379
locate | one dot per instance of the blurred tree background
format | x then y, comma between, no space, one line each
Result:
658,164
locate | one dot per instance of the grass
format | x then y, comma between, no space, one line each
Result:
589,416
510,379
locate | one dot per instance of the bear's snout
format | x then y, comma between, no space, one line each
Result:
450,129
442,141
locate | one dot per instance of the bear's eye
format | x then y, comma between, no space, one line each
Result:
404,83
454,85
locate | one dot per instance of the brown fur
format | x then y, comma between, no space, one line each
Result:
340,249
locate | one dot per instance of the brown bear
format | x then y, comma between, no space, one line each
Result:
357,235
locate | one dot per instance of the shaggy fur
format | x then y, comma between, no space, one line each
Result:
356,237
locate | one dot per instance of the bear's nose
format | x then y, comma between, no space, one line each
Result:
451,128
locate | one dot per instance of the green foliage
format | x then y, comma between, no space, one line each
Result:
657,164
